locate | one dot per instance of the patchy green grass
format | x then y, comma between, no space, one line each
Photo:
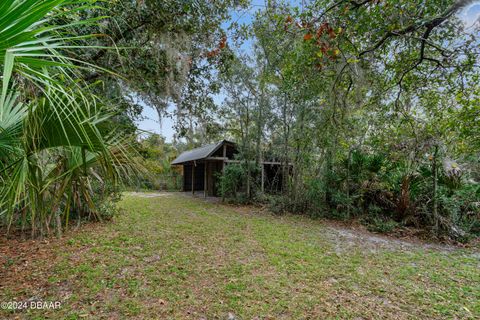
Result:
174,257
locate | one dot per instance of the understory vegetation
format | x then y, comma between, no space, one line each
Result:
381,192
156,156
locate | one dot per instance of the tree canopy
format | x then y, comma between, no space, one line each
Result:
371,106
373,102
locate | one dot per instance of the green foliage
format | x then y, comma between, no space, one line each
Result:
156,156
359,98
460,210
380,225
53,142
165,51
106,197
386,194
231,181
315,195
240,182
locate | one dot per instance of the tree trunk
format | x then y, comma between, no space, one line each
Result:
58,223
285,144
349,159
434,187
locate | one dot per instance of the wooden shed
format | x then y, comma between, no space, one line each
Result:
201,167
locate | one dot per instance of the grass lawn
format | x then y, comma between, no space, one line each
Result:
168,256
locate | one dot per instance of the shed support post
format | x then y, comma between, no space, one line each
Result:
184,181
205,180
223,167
193,178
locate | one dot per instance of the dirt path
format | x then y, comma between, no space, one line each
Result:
347,235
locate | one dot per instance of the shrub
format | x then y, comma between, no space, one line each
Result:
460,210
278,204
315,197
233,182
106,197
389,192
379,224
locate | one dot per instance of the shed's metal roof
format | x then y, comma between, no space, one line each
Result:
199,153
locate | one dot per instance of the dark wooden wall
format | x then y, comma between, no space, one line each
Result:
214,168
199,176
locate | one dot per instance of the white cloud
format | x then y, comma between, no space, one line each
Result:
470,14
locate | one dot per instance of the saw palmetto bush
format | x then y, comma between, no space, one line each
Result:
386,193
53,145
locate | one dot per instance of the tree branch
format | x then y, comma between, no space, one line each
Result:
429,25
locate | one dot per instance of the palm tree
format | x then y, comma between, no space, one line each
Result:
51,141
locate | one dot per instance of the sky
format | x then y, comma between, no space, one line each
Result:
165,126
